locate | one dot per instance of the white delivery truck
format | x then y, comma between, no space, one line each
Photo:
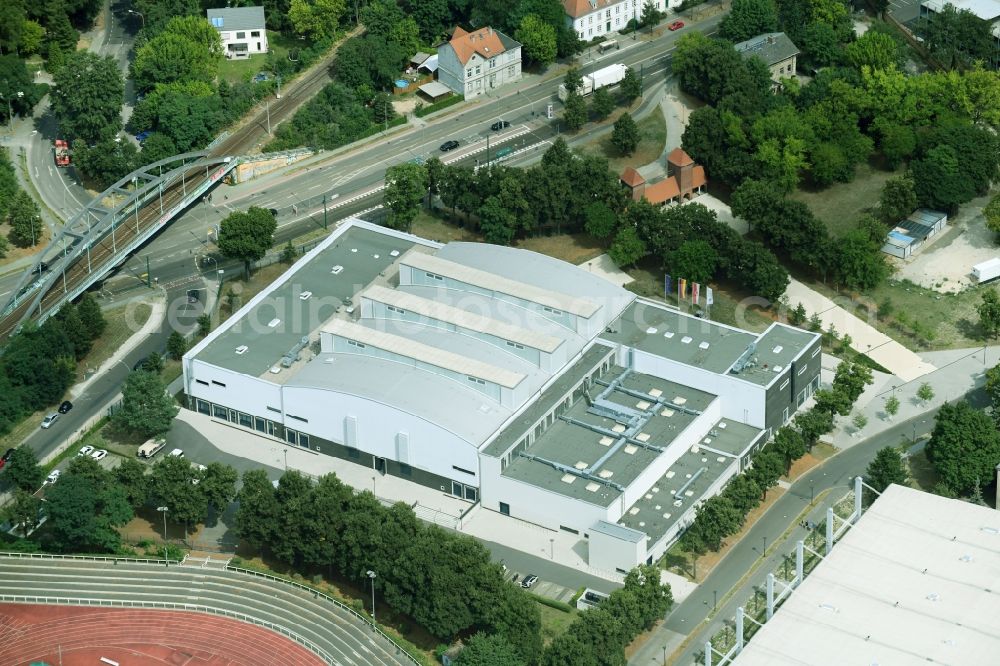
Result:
602,78
986,271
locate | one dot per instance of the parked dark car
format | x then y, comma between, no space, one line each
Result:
449,145
65,406
7,455
273,211
142,136
499,125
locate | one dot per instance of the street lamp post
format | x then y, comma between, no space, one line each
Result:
715,600
140,15
371,575
164,510
552,549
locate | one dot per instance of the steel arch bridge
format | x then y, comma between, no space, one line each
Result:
110,227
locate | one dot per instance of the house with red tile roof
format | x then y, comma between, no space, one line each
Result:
472,63
599,18
684,180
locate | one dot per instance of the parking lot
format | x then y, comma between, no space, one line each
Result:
542,588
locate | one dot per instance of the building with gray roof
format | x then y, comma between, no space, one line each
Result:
775,49
242,30
503,377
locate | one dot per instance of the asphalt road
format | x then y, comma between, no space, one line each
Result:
836,473
104,387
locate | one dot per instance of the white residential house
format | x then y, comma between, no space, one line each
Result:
599,18
242,30
473,63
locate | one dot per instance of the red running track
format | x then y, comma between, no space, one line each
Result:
133,636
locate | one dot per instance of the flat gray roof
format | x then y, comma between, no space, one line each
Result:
474,321
498,283
617,531
577,446
236,18
363,253
655,512
543,272
777,347
572,375
913,582
662,331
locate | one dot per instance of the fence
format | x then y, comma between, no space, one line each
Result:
169,605
89,558
328,598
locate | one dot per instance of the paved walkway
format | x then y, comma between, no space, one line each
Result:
888,353
156,317
958,371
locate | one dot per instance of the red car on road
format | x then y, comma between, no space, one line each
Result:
676,25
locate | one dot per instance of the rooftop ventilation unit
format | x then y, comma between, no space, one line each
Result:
745,360
242,349
293,354
273,323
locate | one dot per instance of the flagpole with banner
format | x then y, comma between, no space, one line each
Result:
694,294
708,303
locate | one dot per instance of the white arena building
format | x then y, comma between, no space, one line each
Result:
504,377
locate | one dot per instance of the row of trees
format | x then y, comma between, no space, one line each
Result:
50,29
856,259
598,637
724,514
602,101
507,203
17,209
443,580
88,504
39,363
821,131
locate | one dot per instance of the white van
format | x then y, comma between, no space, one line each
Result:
176,453
151,448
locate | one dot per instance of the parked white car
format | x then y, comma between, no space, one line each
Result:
53,476
85,451
99,454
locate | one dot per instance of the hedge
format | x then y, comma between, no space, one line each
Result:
437,106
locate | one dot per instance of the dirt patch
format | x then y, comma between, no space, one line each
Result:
945,262
404,106
820,453
705,563
148,526
923,476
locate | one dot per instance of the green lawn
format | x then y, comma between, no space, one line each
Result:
236,71
841,204
554,622
952,318
652,139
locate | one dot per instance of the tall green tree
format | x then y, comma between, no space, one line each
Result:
749,18
171,484
130,474
146,408
406,186
625,135
898,200
218,484
695,260
316,19
627,248
602,104
989,313
768,467
992,214
876,50
22,512
88,95
631,86
538,39
176,346
575,113
247,235
85,508
716,518
25,221
91,316
489,650
573,80
23,469
257,512
886,468
964,447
